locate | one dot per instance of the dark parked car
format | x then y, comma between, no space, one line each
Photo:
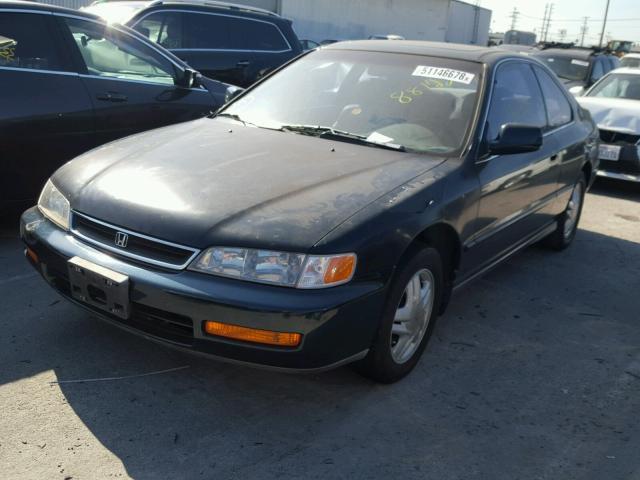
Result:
311,230
578,68
70,83
232,43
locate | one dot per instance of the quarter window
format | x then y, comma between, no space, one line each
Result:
558,107
27,42
516,98
108,52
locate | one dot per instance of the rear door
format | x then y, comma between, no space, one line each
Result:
517,191
203,40
46,116
132,86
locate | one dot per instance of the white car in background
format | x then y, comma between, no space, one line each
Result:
630,60
614,103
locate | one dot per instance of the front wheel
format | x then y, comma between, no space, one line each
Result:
568,221
408,319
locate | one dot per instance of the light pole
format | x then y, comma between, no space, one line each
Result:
604,24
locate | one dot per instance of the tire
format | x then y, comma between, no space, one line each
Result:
568,221
393,355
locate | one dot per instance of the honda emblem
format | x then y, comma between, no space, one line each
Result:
122,239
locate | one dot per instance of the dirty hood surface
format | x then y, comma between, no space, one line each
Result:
616,114
216,182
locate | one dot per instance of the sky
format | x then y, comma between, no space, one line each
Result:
623,22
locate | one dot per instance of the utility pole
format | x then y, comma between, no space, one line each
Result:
514,18
544,21
604,24
583,30
546,29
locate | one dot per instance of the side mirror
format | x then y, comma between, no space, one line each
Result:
577,91
516,138
232,92
190,79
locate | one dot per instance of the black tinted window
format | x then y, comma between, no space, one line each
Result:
26,42
558,107
231,33
516,98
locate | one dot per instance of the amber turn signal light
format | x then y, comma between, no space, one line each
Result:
33,256
339,269
254,335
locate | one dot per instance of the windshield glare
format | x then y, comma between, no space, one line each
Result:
114,12
618,86
424,104
568,68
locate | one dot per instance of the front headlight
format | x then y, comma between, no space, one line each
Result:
278,268
54,206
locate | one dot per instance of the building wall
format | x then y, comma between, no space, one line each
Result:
357,19
468,24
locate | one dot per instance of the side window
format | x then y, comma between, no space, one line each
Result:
598,70
260,36
516,98
223,32
558,107
164,28
108,52
206,31
26,41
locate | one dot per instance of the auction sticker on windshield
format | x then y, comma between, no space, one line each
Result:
444,74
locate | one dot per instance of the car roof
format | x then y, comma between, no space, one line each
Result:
627,71
473,53
578,53
632,55
23,5
196,4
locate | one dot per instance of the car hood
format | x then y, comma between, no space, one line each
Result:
614,113
216,182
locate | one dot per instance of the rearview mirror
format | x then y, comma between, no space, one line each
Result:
516,138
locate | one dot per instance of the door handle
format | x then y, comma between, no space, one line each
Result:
554,157
112,97
244,63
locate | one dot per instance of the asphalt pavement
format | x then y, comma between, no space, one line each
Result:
533,373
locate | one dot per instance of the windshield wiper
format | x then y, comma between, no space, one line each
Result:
232,116
329,132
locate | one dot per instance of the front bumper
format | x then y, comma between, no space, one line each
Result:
337,324
627,167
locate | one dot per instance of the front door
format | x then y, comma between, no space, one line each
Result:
517,191
132,87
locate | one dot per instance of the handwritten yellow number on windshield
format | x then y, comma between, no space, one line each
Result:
402,97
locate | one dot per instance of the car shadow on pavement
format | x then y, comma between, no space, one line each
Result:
533,372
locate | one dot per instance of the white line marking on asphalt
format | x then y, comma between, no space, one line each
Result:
106,379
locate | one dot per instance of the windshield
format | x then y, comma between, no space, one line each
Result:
114,12
617,85
412,102
631,62
567,68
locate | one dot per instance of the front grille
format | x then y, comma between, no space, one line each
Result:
138,246
609,136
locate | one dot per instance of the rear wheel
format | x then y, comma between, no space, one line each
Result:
408,319
569,219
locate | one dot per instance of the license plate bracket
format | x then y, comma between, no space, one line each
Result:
610,152
99,287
